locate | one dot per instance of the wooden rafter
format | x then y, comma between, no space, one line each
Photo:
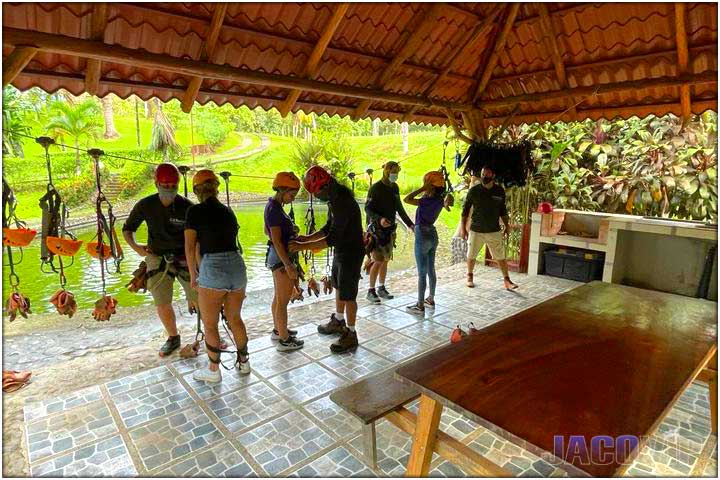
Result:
316,55
62,44
98,24
418,30
682,57
16,62
708,77
495,55
456,128
205,52
551,42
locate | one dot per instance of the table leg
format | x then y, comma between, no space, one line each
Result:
369,444
712,385
424,439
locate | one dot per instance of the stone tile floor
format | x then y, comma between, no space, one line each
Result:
279,421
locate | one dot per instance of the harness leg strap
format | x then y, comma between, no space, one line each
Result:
213,349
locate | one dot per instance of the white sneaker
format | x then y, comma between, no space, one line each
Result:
207,375
244,366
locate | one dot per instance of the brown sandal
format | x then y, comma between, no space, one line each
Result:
14,381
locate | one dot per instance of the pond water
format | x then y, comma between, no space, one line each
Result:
83,277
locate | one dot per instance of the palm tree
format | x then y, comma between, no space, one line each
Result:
108,115
163,134
77,121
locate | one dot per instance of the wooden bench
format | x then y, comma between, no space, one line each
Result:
371,399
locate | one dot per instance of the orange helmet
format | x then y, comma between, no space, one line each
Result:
434,178
203,176
18,237
286,180
63,246
93,248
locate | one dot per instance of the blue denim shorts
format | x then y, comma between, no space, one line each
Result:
223,271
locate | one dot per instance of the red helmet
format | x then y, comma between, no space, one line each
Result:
316,178
167,173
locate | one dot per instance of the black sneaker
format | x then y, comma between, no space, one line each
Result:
347,341
291,343
372,297
172,344
332,327
276,336
415,309
383,293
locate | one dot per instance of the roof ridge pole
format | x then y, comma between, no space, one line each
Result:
311,67
98,25
495,56
682,58
552,45
14,63
206,52
420,26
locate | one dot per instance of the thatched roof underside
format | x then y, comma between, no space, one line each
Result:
419,62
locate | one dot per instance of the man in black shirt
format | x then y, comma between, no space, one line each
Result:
164,214
487,200
343,231
383,203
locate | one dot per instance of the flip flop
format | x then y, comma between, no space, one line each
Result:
16,376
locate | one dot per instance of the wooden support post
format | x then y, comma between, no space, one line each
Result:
682,58
97,32
499,45
449,448
369,444
426,430
314,61
552,45
16,61
206,51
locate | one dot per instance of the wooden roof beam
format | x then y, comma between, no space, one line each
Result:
704,78
79,47
14,63
418,29
318,51
98,24
682,57
549,33
495,56
205,52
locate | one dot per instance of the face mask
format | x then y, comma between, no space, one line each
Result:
167,194
393,177
487,180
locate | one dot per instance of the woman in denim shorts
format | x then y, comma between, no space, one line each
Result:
222,276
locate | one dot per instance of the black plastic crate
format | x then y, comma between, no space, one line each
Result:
574,264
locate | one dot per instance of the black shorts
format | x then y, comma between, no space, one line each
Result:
346,276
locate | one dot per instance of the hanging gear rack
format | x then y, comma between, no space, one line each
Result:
18,237
56,239
184,169
106,305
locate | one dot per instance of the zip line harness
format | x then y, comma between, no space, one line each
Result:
105,306
18,237
312,285
56,240
184,169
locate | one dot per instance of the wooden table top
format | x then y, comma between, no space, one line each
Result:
602,359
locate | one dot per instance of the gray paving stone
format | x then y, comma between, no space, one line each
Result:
271,362
396,347
428,332
64,431
147,403
248,406
38,409
394,319
221,460
356,364
684,430
336,463
107,458
658,459
231,380
284,442
337,421
166,439
307,382
138,380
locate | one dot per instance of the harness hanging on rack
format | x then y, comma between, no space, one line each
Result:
17,302
106,305
56,240
184,169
